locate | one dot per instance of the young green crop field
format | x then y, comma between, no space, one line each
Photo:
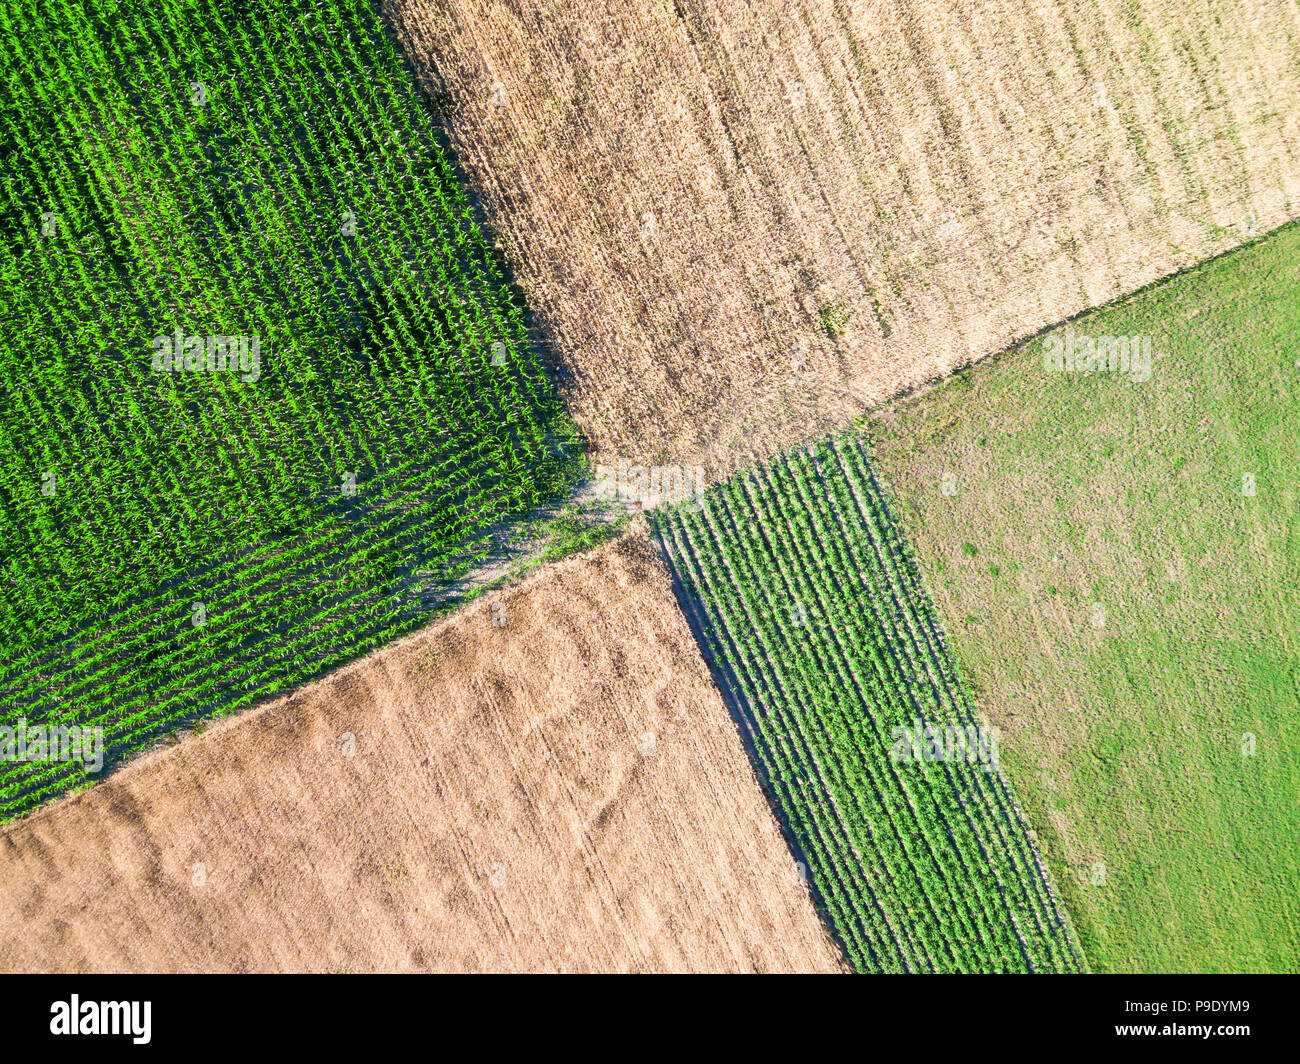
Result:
1118,565
355,405
808,605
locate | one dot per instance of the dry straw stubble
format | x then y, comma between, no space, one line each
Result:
562,789
743,223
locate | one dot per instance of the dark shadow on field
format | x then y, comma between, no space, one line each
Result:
438,104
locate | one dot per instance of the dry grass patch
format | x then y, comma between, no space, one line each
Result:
560,790
742,223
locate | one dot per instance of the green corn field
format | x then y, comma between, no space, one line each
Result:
265,386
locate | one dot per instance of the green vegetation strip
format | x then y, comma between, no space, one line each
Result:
1118,559
814,617
177,542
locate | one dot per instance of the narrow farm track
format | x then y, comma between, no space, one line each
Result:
813,611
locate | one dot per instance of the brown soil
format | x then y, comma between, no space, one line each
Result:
563,792
694,192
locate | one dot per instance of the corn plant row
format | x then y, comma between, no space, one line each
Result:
812,612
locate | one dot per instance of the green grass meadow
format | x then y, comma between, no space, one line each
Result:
1117,565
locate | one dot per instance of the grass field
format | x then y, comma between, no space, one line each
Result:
744,223
546,781
1118,566
826,645
182,538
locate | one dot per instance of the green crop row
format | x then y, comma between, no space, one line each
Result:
811,609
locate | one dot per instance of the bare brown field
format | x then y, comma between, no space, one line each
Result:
694,194
563,792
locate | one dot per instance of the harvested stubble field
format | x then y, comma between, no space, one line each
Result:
565,791
701,196
1118,561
